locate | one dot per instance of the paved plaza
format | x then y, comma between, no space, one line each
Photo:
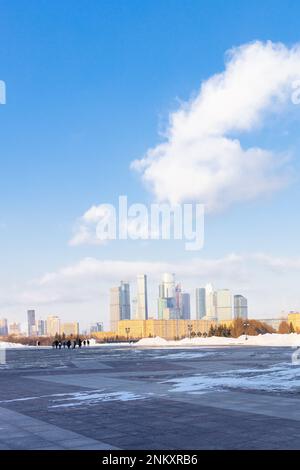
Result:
115,397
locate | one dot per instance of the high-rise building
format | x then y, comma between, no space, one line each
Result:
240,307
70,329
178,303
15,329
166,299
41,327
3,327
53,325
200,303
31,323
119,304
210,303
142,298
223,303
185,306
96,327
125,301
115,308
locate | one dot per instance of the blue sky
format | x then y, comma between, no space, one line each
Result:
90,85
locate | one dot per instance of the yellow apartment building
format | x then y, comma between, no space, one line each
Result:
294,319
168,329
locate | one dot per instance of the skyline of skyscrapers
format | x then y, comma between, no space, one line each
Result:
173,303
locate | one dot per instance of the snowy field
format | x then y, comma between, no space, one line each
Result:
269,339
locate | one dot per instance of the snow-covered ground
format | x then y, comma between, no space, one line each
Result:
269,339
278,378
5,345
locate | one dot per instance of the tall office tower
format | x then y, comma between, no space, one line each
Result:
142,298
210,305
31,323
162,305
200,303
240,307
223,300
3,327
134,311
185,306
168,283
125,301
119,304
41,327
70,329
115,308
178,302
166,300
53,325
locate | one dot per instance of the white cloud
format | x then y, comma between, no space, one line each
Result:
84,231
200,159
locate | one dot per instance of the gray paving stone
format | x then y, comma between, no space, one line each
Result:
159,419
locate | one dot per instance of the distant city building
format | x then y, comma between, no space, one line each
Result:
115,308
96,327
185,306
200,303
223,303
240,307
134,308
177,311
15,329
119,304
41,327
166,297
53,325
210,303
31,328
294,319
70,329
168,329
124,301
275,322
142,298
3,327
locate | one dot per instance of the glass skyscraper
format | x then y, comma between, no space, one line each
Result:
200,303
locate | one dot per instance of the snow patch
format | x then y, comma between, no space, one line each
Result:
269,339
283,377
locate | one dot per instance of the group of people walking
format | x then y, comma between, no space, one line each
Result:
70,344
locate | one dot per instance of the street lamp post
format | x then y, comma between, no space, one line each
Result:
246,326
127,333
